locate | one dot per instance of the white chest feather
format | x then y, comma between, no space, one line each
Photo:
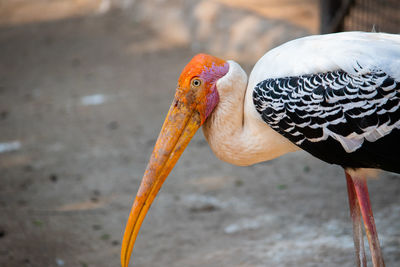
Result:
234,131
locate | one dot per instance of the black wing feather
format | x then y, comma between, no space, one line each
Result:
348,119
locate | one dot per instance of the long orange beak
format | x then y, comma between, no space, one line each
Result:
181,123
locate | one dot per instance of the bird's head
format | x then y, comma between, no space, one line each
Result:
197,84
195,98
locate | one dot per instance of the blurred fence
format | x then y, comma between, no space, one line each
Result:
360,15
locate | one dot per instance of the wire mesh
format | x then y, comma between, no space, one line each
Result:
360,15
378,15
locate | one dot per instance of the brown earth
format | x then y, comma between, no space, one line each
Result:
67,185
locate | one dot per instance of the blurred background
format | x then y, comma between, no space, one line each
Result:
84,88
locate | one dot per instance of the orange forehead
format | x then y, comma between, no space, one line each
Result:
198,65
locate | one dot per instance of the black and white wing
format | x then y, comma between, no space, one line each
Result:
345,113
335,96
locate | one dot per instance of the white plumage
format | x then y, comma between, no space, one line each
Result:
238,134
322,53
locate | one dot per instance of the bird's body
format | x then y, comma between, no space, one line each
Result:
330,89
336,96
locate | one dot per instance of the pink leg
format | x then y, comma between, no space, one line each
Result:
356,218
361,189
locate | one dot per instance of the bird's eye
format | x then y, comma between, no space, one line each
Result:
196,82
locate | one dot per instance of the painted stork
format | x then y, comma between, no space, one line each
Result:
336,96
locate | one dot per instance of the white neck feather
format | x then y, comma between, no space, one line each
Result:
235,131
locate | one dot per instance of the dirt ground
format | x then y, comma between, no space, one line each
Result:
80,109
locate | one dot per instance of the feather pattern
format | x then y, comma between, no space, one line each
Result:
350,108
337,93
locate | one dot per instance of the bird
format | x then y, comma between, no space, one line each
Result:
335,96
